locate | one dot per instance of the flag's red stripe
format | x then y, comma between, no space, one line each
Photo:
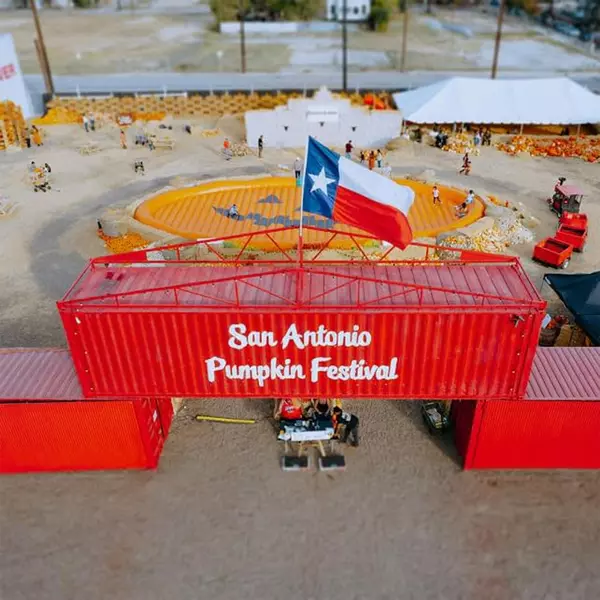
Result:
381,220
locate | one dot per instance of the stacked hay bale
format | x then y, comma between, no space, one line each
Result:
13,128
182,106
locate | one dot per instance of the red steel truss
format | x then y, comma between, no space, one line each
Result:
218,273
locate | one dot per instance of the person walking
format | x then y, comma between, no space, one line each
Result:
297,167
466,166
227,149
261,144
92,120
86,123
436,195
371,160
350,423
36,136
123,139
349,148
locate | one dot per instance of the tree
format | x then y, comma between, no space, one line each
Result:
227,10
381,12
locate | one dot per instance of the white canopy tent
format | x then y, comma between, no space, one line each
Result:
558,101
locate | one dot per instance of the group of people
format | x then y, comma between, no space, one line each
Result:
39,177
295,409
369,158
482,137
89,122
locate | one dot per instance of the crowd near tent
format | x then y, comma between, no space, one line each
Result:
581,295
557,101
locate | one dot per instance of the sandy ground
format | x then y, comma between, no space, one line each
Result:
219,519
133,41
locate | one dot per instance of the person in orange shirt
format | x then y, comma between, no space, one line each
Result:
371,160
36,136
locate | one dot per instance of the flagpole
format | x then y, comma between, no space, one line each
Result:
300,244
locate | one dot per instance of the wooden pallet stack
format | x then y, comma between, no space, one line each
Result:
13,128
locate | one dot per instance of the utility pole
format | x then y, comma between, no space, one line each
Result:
404,37
242,12
345,45
501,10
40,47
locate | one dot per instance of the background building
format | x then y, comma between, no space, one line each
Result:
358,10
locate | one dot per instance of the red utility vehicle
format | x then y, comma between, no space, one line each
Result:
553,252
566,199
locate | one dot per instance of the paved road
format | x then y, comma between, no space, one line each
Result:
159,82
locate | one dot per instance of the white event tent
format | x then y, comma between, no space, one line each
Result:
558,101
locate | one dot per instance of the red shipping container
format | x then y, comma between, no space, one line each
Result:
555,427
438,330
46,425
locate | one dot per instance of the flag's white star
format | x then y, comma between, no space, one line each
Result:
320,181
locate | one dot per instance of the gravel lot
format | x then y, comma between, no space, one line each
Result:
142,41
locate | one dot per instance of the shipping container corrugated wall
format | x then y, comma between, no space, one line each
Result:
475,353
82,435
46,425
532,434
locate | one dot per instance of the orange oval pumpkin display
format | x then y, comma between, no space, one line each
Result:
274,202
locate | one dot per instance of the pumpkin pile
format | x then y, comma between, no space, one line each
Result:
123,243
461,143
584,147
58,116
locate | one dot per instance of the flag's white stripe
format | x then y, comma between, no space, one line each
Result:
367,183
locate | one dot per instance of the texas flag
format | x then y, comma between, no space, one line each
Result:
342,190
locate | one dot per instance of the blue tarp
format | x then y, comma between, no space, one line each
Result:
581,295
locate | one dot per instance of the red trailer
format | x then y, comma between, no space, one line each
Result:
554,427
573,236
553,252
46,425
199,324
577,220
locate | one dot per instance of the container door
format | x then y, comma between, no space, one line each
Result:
151,428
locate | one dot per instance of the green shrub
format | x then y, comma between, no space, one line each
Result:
381,12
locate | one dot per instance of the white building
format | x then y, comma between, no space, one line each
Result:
330,120
12,84
358,10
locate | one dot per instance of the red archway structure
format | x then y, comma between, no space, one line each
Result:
215,318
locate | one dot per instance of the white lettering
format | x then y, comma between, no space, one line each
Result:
323,337
292,335
357,370
315,368
259,373
213,365
238,341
